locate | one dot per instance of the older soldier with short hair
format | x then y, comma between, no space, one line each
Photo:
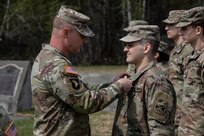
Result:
62,101
152,100
176,60
192,31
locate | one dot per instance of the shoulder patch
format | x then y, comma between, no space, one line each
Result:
11,130
160,106
70,70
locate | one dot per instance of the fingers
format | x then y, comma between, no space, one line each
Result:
126,84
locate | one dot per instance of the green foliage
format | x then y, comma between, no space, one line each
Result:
24,127
26,24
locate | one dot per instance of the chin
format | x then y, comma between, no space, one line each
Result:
128,61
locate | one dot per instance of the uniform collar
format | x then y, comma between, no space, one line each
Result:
136,75
178,48
51,48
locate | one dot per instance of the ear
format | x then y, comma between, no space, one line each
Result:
199,30
147,47
65,32
156,56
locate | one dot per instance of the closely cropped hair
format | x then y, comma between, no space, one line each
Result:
198,23
59,24
154,44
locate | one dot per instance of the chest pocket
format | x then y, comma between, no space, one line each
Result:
193,74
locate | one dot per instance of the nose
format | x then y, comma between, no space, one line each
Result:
180,33
125,49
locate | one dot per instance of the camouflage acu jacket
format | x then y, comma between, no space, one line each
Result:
176,67
62,101
164,68
151,105
192,121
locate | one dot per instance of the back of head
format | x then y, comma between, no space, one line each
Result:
135,23
72,17
174,16
164,51
164,47
192,16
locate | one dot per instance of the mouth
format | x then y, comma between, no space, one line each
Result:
127,55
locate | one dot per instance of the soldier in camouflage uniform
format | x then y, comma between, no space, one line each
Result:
176,61
192,31
62,101
131,67
152,100
7,127
162,57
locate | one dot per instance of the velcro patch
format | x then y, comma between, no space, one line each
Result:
160,105
70,70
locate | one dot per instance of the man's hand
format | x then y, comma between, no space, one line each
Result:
126,84
119,76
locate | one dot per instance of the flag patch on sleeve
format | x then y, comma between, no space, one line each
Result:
70,70
11,130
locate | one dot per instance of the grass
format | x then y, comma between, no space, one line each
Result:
24,127
102,69
101,122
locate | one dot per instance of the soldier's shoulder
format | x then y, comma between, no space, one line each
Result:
159,79
201,59
187,50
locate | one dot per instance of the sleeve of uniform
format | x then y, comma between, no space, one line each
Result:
66,84
97,87
161,106
202,67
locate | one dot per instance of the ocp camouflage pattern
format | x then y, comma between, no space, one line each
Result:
192,119
62,101
151,105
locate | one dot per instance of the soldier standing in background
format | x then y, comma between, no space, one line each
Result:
152,100
62,101
162,57
176,61
192,31
7,126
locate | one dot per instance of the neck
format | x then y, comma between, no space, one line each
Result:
178,41
143,64
199,44
56,41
